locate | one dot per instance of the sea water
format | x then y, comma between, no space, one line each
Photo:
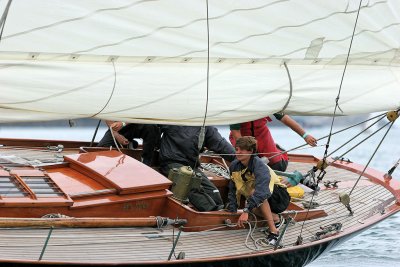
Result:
378,247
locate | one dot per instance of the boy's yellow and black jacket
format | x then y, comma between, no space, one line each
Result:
255,182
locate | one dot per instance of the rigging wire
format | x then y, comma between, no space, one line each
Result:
106,104
4,18
208,66
339,131
372,156
354,137
362,141
301,147
112,91
341,82
322,171
389,173
202,129
290,87
95,133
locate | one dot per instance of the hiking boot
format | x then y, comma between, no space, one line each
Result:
272,238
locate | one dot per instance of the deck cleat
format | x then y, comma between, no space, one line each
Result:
329,230
310,204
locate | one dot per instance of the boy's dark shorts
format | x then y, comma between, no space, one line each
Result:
279,200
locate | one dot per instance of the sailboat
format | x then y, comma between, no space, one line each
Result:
187,63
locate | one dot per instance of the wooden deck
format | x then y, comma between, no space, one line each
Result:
140,245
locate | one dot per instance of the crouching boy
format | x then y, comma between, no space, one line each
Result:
253,179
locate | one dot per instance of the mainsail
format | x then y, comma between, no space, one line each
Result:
146,61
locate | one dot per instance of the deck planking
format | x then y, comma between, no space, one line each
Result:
116,245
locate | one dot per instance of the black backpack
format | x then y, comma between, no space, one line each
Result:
206,197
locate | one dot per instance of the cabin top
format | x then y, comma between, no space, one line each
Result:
115,170
82,177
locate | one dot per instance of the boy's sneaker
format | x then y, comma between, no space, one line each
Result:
280,223
272,238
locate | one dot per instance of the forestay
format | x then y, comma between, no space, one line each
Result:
146,61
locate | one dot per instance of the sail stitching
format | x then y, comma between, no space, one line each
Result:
222,42
175,27
76,19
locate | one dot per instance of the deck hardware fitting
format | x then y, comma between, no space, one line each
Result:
328,231
345,200
176,242
45,243
288,221
392,115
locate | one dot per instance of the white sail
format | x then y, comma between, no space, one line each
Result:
146,61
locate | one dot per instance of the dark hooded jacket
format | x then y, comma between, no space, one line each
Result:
179,144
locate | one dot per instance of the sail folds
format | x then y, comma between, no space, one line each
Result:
146,61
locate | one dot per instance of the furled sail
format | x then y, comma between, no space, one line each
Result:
146,61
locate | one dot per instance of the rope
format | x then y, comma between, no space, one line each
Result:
258,243
113,137
216,169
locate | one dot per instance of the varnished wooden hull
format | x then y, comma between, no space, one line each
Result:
294,257
101,184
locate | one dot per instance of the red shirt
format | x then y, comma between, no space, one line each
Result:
265,143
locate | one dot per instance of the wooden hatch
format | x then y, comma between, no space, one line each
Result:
30,187
119,171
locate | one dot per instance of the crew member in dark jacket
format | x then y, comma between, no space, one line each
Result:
179,144
179,147
124,134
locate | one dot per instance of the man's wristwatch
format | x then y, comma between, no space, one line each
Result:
246,210
123,124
